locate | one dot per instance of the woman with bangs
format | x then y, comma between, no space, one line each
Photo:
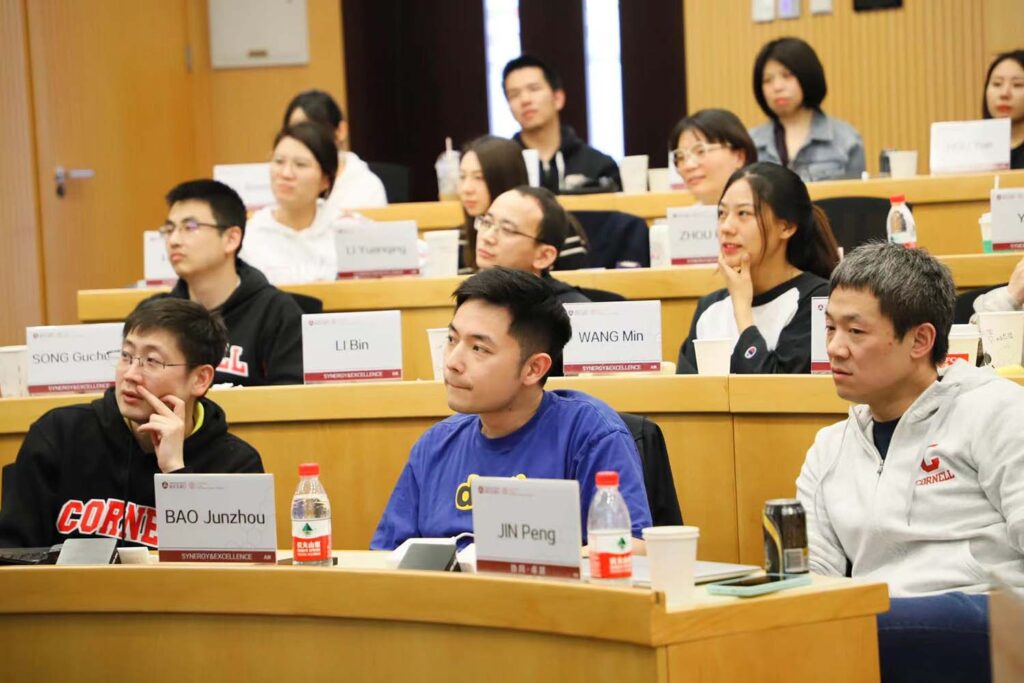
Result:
777,251
707,148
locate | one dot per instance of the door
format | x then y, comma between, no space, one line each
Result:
112,105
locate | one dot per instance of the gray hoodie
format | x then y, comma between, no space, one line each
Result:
944,507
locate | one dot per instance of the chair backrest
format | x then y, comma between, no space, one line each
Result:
396,179
600,294
308,304
856,220
661,489
615,237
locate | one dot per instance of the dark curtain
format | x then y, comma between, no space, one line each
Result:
416,72
653,75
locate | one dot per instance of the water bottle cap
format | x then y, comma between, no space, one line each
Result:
607,478
309,469
898,198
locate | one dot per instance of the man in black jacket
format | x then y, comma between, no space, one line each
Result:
87,469
535,96
204,231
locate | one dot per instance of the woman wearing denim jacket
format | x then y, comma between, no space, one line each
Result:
789,85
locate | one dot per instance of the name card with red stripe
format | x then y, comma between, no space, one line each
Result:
156,267
216,517
693,235
614,336
369,250
528,527
72,359
250,181
1008,220
969,146
820,364
352,347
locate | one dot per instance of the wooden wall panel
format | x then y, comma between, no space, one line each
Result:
890,73
21,300
238,111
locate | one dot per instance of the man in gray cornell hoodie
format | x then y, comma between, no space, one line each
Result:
922,486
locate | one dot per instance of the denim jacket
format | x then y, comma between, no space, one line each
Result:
834,149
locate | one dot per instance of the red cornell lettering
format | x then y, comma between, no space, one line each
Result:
69,516
91,516
233,364
149,532
112,522
133,522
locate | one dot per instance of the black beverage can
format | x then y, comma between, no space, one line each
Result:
785,537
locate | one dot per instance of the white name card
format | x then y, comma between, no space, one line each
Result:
250,181
346,347
377,250
437,337
156,269
970,146
820,364
693,235
614,336
1008,220
527,526
216,517
72,359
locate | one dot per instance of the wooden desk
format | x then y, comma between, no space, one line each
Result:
275,623
427,302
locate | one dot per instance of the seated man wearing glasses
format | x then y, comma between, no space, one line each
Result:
525,229
87,470
204,231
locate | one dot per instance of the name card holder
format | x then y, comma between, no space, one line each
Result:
693,235
250,181
72,359
619,336
970,146
376,250
1008,220
352,347
157,269
820,364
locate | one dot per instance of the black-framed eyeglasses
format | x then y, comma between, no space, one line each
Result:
147,364
505,228
188,226
697,152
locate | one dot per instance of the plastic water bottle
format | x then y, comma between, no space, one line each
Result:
899,224
608,534
311,519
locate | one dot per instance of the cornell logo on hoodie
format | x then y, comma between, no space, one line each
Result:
109,517
233,363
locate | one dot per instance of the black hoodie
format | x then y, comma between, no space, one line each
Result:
264,332
78,464
599,171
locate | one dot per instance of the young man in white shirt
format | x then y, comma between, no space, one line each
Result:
923,485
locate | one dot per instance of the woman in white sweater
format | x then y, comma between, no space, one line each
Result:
1008,298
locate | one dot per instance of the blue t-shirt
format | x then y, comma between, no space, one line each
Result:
571,436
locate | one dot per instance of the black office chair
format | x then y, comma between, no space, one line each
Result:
308,304
856,220
600,294
661,489
615,237
396,179
963,309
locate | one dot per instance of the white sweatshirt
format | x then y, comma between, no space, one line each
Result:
945,506
356,187
998,299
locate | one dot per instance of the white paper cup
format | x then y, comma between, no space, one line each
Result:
672,554
1002,336
713,355
633,171
963,345
658,179
660,245
902,163
442,253
13,371
532,160
436,338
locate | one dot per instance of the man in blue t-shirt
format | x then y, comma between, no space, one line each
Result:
507,331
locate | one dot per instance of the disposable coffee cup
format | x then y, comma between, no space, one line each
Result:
713,356
963,345
633,171
13,371
985,226
447,169
1002,336
442,253
902,163
658,180
437,337
672,556
532,160
660,245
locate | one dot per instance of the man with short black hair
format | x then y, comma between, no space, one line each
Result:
923,485
535,97
526,229
506,333
204,230
87,469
